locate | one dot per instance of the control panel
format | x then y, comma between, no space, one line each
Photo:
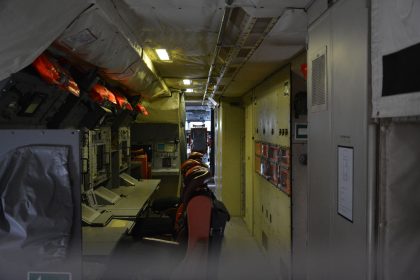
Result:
273,163
124,147
165,155
96,157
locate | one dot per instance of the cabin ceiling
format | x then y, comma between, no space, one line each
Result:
268,33
225,49
188,29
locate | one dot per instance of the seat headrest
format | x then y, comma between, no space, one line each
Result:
195,184
194,173
193,169
196,155
200,179
188,164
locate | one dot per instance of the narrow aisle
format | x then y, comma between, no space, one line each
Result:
241,257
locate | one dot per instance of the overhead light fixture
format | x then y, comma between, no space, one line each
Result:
186,82
162,54
189,90
213,102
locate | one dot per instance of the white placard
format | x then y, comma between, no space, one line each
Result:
345,182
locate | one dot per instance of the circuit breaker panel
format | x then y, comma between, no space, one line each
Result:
272,134
273,163
124,147
96,157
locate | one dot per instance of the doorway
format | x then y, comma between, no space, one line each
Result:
199,132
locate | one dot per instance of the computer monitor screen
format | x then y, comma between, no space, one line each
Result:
160,147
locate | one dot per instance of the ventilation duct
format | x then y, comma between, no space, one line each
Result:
239,36
94,39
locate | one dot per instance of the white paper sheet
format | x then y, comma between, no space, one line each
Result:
345,182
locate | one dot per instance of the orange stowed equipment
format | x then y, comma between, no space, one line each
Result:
304,70
123,103
52,73
102,95
140,156
140,108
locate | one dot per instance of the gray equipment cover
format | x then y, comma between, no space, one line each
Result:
399,224
36,207
395,26
93,38
29,27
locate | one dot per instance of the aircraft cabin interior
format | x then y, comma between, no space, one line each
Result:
209,139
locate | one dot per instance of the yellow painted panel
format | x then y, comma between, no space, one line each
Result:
271,114
231,178
258,215
218,152
249,168
272,108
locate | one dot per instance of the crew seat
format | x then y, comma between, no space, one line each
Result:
189,220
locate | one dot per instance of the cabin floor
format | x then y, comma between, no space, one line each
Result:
240,258
137,259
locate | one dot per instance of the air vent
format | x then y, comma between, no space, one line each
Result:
240,35
217,70
233,30
229,72
319,82
224,54
243,52
252,40
261,25
238,16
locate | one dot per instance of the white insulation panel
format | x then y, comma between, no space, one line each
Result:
29,27
395,27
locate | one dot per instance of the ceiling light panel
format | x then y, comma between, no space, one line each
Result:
187,82
162,54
